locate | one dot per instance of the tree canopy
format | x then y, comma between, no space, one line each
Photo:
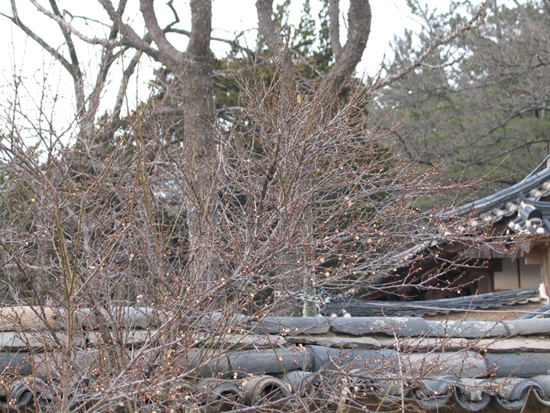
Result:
488,112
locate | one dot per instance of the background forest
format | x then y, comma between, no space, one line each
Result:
479,106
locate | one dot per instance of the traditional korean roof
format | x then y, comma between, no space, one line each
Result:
522,209
247,362
526,202
461,365
525,206
365,308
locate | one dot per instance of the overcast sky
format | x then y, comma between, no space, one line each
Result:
21,55
390,17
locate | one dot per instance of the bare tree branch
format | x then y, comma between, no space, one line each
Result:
129,37
476,21
15,19
233,43
269,31
170,4
488,158
169,53
67,26
68,40
359,21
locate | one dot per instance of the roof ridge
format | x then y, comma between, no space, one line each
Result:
504,195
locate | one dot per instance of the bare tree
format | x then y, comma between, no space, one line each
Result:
168,213
487,113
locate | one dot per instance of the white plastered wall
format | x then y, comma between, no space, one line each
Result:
517,274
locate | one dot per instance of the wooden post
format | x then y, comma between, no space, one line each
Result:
545,270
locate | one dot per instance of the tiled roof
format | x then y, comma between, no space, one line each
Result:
390,359
365,308
333,360
524,202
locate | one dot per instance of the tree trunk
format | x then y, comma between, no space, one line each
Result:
194,70
201,159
